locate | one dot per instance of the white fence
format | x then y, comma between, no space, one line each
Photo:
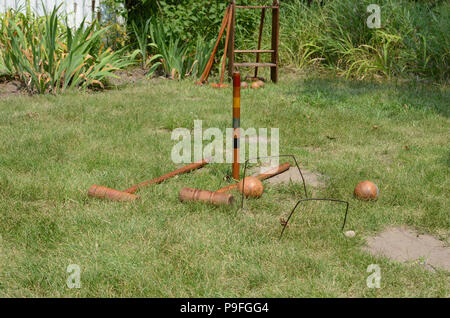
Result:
76,10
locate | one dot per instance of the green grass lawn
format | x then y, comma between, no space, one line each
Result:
54,148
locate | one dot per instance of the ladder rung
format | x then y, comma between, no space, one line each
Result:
254,51
256,7
254,64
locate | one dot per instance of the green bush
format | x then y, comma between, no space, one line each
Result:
179,60
190,18
413,38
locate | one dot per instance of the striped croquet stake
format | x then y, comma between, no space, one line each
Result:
236,123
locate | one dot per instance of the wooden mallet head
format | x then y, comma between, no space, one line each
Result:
101,192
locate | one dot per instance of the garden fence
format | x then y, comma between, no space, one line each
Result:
76,10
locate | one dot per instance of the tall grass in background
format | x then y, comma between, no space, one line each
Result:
203,50
141,32
179,59
48,56
174,52
3,69
413,39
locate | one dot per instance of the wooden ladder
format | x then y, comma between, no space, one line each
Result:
275,7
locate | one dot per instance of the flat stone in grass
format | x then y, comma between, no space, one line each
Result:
406,245
311,178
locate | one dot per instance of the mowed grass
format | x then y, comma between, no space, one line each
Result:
54,148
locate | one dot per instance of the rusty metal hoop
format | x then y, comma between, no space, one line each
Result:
315,199
304,188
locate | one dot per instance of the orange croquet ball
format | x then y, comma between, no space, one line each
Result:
254,85
260,83
244,85
366,190
253,187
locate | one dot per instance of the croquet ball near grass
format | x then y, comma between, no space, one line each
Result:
254,85
366,190
260,83
253,187
244,85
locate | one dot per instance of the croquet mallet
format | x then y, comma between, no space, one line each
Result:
220,197
101,192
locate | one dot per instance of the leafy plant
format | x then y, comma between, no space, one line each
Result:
47,57
191,18
142,33
113,17
374,58
115,35
178,59
413,38
174,55
203,50
301,55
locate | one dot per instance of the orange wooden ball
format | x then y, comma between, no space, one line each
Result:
253,187
260,83
254,85
366,190
244,85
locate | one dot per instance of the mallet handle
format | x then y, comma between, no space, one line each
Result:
205,74
224,59
274,171
169,175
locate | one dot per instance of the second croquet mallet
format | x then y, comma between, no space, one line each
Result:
236,123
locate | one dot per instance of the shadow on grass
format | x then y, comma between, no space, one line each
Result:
419,96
